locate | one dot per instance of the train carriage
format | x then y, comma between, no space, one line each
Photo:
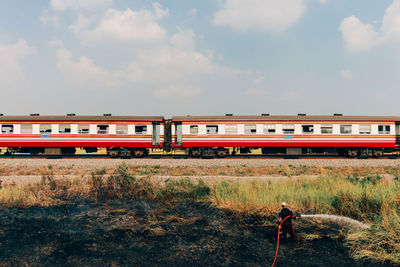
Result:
123,136
292,135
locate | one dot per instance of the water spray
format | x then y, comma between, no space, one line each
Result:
337,219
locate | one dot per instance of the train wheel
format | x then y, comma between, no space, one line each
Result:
126,154
113,153
195,153
221,153
352,153
377,153
139,153
208,153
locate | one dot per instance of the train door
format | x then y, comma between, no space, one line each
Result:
178,133
156,133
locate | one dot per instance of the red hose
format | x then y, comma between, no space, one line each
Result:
277,244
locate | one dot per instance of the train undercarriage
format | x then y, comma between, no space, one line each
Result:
220,152
208,152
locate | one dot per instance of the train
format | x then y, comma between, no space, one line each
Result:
201,136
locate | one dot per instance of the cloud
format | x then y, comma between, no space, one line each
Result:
360,37
346,74
264,15
56,43
81,25
357,36
159,12
49,19
175,61
175,70
61,5
11,70
129,26
84,73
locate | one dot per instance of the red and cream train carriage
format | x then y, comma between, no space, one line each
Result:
121,135
208,136
293,135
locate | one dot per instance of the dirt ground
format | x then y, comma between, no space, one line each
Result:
143,233
111,163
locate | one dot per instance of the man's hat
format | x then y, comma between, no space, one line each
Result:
284,204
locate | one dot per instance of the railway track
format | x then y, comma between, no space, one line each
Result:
172,156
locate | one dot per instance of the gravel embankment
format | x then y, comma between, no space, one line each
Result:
109,163
25,171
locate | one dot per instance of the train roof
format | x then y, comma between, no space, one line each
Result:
286,118
81,118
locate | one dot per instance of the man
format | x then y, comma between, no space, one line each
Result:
287,226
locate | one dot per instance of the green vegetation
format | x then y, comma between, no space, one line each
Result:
370,196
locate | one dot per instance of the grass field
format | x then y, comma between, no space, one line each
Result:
365,194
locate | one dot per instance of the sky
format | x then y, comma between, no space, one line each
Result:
208,57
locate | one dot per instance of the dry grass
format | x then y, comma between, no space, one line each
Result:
369,198
242,170
13,196
359,193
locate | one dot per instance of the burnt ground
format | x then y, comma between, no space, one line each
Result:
143,233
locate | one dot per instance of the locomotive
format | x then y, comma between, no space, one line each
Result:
201,136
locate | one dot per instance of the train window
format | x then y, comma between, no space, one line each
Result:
288,128
231,129
327,129
269,128
212,129
83,128
141,129
345,129
64,129
307,129
250,129
7,129
365,129
26,128
122,129
45,128
102,129
384,129
194,129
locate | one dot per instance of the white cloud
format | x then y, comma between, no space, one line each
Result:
170,63
84,73
81,25
346,74
174,70
360,37
49,19
159,12
265,15
357,36
129,26
61,5
177,92
11,70
56,43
